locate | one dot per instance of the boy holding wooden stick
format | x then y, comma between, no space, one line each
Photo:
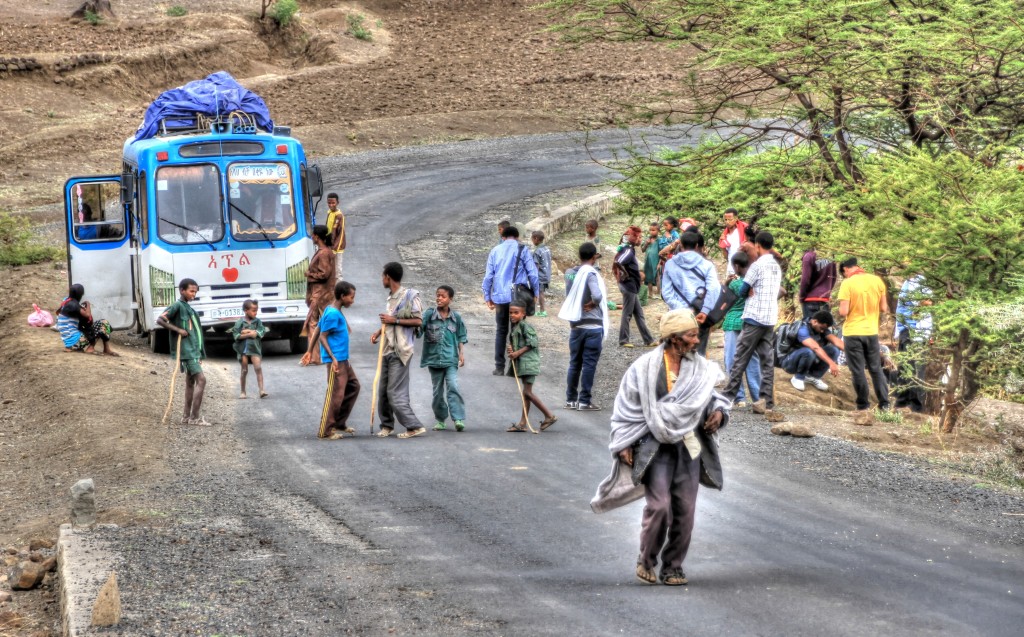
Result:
524,353
189,349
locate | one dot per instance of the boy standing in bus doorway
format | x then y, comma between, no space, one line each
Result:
181,319
319,284
336,226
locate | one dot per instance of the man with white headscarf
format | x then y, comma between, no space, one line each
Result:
664,444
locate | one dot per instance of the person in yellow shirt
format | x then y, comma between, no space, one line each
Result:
336,226
862,298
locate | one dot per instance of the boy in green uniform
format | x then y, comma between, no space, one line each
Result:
181,319
248,333
524,352
444,334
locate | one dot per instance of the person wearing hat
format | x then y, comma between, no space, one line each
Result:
627,272
663,444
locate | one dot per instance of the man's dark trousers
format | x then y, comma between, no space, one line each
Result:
804,362
631,310
501,334
754,339
584,352
861,352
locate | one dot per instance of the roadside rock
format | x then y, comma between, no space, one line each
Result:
107,609
4,597
864,418
50,564
40,543
83,503
26,576
792,429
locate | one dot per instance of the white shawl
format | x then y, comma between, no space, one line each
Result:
638,411
572,307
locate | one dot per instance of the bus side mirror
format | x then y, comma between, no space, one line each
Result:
315,181
127,188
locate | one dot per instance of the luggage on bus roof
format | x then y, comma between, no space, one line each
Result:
216,96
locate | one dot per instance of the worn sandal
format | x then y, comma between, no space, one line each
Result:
412,433
337,435
645,574
515,429
199,422
547,422
673,577
384,432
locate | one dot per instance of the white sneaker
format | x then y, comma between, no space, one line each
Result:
819,384
797,383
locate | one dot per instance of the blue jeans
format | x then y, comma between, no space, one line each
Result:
753,368
447,397
803,362
584,352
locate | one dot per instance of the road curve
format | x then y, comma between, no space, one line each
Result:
497,526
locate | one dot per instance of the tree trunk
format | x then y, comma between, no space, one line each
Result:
952,406
100,8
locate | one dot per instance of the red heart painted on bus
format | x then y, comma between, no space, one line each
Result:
230,274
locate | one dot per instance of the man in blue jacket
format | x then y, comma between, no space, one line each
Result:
508,264
690,282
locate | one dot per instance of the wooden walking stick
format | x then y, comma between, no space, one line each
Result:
174,378
376,378
522,398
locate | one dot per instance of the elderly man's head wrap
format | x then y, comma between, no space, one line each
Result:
677,322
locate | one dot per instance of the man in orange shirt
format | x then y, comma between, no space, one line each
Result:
862,298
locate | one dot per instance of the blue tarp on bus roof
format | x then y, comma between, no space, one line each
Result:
218,94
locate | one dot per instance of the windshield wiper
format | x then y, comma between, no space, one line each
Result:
187,229
259,226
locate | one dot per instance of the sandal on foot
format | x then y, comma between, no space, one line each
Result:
337,435
412,433
515,429
460,425
349,431
673,577
645,574
439,426
263,394
547,422
384,432
242,396
199,422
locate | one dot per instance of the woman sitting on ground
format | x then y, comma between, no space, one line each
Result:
78,329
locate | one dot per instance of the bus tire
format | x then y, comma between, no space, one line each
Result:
298,344
159,342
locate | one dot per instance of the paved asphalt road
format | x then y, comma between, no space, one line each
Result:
498,525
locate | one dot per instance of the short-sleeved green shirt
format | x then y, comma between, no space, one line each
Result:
522,335
248,346
180,314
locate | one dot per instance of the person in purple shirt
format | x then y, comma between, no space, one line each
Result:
508,264
817,278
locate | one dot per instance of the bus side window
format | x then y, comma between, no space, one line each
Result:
142,193
98,214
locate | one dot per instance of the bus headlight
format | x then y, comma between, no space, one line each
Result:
161,287
295,279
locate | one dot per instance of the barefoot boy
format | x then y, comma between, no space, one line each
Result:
524,352
332,337
181,319
248,332
444,334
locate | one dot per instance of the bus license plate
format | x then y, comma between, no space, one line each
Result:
233,312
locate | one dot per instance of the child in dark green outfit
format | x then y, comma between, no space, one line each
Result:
524,352
248,333
444,334
181,319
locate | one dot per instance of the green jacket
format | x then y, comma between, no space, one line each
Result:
441,338
522,335
180,314
255,345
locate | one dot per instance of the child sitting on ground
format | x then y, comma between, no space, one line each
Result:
444,334
524,352
248,333
542,258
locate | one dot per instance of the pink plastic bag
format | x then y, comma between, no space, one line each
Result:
40,318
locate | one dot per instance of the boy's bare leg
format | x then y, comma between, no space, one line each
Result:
257,365
189,391
541,301
197,396
245,372
532,398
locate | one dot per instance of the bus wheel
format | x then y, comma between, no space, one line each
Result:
298,344
159,342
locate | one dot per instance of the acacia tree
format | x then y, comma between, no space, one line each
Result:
885,129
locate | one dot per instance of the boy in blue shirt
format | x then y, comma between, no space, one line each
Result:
332,334
444,334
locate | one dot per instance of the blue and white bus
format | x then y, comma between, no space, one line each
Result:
217,200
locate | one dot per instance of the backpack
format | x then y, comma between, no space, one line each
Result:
786,340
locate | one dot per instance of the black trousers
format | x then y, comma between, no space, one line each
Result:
863,352
631,310
909,389
501,334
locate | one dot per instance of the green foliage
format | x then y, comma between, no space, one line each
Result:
283,12
18,245
93,18
177,11
356,28
889,417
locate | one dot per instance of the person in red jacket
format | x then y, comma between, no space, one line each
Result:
733,236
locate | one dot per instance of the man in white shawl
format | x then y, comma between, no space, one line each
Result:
663,444
586,309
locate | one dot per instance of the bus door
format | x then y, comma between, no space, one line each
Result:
99,252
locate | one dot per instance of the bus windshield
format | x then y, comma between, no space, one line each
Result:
188,204
260,201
